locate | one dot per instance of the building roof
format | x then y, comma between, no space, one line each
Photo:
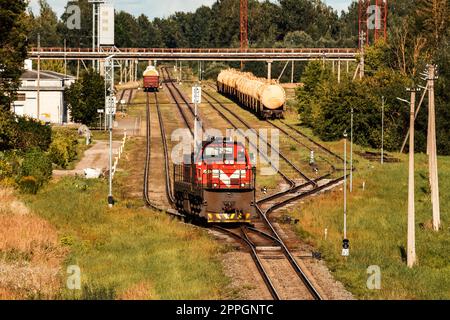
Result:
44,75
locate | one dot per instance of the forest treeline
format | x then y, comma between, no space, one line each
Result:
418,34
270,24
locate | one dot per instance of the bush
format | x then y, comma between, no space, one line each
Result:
63,149
35,171
23,133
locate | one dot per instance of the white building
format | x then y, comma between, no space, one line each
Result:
52,107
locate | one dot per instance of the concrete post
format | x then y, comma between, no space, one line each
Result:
411,246
433,165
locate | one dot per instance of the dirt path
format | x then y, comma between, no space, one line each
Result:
96,157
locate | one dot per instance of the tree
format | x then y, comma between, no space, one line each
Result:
434,15
13,48
80,38
149,36
85,97
127,30
298,39
46,25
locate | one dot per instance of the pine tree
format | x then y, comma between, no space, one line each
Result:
435,16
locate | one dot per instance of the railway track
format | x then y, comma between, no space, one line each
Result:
244,231
147,166
127,95
268,250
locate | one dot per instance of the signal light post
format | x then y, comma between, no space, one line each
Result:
351,152
345,242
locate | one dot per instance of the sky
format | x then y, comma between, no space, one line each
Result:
164,8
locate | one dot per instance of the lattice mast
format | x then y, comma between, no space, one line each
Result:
381,30
363,20
372,21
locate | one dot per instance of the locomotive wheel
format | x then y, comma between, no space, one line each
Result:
179,201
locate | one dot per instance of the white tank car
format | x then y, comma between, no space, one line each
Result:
265,98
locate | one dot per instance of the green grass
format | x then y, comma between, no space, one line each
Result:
377,231
122,247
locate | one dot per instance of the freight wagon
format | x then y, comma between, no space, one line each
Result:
265,99
151,79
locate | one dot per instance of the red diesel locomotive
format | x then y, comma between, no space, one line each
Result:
217,185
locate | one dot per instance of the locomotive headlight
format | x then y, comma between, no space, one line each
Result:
215,185
242,185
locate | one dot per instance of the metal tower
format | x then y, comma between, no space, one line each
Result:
372,20
381,30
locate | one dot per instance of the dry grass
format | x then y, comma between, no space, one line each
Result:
30,254
139,291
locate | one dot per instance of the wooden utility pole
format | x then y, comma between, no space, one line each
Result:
433,166
411,250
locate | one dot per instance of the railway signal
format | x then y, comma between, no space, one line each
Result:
345,248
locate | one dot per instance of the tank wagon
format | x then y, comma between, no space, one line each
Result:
266,99
151,79
217,185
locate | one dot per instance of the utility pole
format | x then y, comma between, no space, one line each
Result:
292,71
243,9
93,31
382,129
411,250
433,165
417,112
339,71
351,152
38,98
65,58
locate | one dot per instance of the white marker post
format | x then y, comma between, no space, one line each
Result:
196,100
